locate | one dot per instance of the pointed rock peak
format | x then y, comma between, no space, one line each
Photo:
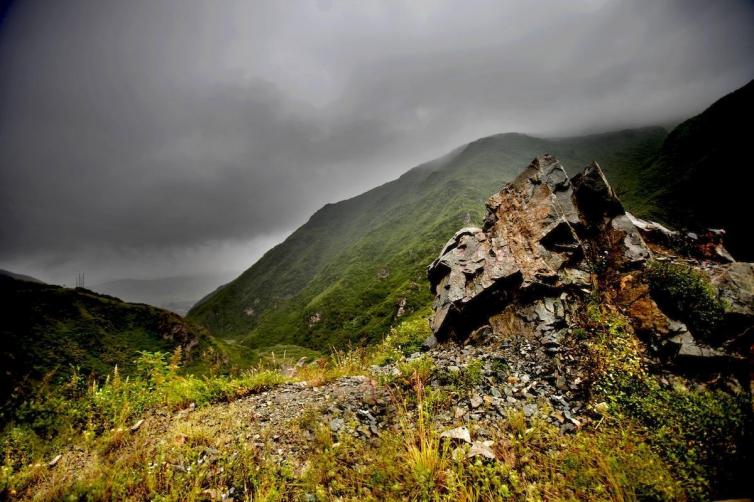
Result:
594,195
543,169
539,235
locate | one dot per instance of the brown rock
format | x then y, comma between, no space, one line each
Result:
542,233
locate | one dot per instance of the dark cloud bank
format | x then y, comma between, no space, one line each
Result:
159,138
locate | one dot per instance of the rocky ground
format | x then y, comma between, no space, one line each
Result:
481,382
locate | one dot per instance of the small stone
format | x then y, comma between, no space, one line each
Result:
367,415
459,433
430,342
482,449
55,460
530,410
135,427
566,428
459,412
476,402
336,424
571,419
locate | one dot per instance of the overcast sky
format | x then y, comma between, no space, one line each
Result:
157,138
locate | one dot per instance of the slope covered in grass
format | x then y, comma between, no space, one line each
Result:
47,331
343,276
703,174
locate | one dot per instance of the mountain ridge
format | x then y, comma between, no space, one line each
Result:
688,184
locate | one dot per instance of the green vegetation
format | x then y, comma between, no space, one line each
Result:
343,276
50,333
82,408
410,463
688,295
464,379
704,436
655,440
535,462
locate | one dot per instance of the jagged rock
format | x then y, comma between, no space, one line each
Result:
538,232
479,334
688,348
530,410
653,231
709,246
735,284
548,242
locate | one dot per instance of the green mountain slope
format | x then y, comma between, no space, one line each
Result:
47,330
703,175
343,276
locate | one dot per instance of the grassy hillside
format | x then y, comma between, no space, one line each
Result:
343,276
48,330
703,174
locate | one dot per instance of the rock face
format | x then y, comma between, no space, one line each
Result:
549,243
542,237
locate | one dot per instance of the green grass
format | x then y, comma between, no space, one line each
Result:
354,262
83,409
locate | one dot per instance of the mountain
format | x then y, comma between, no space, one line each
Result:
565,361
19,277
357,265
48,330
689,184
176,294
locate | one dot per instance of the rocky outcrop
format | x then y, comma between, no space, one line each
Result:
543,237
550,244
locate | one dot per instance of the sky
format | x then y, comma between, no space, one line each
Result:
156,138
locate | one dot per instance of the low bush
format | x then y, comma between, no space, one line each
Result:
688,295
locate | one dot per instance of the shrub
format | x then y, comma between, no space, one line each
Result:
686,294
706,435
404,339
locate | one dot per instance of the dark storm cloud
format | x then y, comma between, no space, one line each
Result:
167,133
